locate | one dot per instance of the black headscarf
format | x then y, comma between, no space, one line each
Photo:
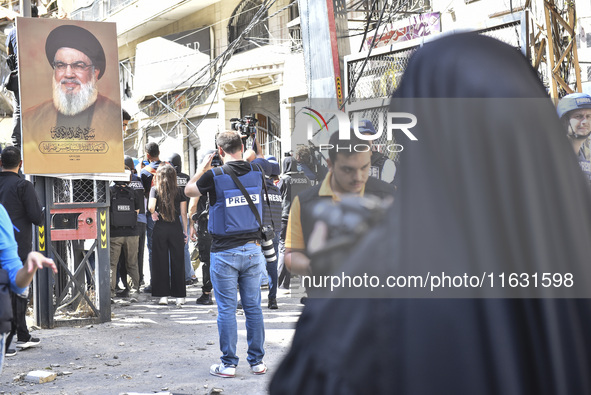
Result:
490,185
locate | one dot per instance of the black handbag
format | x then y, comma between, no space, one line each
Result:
5,303
11,81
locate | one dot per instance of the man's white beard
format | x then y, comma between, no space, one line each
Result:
74,103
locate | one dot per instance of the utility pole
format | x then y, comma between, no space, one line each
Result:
325,40
25,6
561,51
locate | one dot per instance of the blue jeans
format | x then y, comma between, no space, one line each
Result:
239,267
2,348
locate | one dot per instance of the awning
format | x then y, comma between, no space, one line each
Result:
163,65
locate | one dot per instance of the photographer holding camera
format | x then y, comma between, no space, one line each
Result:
246,127
235,194
348,176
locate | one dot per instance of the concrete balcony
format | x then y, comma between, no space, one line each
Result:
137,18
255,70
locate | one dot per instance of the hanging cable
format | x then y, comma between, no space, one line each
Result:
225,56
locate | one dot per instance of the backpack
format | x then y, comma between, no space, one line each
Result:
123,207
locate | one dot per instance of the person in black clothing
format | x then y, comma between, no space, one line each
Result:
293,181
168,207
137,185
199,213
20,200
199,216
490,186
181,178
271,216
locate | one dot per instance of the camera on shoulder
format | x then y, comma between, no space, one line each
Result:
246,126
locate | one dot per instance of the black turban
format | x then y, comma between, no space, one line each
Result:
72,36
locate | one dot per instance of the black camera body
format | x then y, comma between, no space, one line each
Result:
246,126
216,160
267,233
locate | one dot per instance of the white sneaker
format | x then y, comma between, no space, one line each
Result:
222,370
163,300
180,301
24,344
259,368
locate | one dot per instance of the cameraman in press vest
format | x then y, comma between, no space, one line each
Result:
236,258
292,181
140,228
271,218
124,210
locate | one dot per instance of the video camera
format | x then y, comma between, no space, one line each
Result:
246,126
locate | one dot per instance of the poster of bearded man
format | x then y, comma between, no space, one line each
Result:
69,89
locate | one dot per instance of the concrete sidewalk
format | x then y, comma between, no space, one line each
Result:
149,348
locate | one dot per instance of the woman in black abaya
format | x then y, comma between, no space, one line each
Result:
491,186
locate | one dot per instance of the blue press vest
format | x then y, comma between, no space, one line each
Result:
231,214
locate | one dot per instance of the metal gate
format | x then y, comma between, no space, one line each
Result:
78,241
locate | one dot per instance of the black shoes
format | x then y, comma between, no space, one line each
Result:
273,304
204,299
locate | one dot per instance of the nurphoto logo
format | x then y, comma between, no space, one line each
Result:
395,121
